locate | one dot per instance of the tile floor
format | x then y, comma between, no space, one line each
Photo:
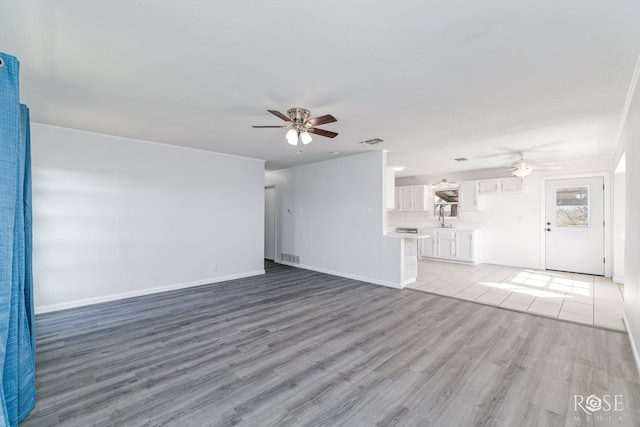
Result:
581,298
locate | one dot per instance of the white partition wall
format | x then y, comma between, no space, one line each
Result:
331,217
116,217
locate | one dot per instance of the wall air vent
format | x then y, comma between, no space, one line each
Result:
373,141
293,259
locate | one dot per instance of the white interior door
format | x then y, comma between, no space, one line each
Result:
270,223
574,225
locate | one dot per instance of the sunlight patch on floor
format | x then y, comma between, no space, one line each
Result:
592,300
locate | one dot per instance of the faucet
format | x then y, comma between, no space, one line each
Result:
441,217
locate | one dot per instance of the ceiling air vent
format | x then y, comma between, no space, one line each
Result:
373,141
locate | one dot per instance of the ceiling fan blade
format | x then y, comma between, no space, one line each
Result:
279,114
323,132
321,120
549,168
284,126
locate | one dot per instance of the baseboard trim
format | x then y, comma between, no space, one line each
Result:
451,261
618,280
149,291
345,275
634,348
408,282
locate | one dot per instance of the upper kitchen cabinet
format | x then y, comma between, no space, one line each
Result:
413,198
468,196
512,185
502,185
389,189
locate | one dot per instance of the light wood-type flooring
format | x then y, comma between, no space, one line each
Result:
300,348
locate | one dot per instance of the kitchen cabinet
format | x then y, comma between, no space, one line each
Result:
464,247
468,196
451,245
427,247
389,188
399,205
413,198
445,244
487,186
512,185
501,185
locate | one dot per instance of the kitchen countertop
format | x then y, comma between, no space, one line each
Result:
407,235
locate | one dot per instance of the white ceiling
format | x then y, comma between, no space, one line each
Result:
434,80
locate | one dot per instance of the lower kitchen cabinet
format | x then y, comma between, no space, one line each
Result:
451,245
445,244
427,247
465,246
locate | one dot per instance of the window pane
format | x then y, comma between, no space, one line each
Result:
572,207
448,210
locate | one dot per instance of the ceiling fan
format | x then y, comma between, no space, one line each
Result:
444,184
520,168
300,126
523,167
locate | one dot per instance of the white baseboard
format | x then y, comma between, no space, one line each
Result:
408,282
618,280
345,275
149,291
634,347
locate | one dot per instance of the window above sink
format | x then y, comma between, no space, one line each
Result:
445,202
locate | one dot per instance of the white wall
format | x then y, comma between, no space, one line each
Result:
331,214
116,217
618,233
630,140
511,224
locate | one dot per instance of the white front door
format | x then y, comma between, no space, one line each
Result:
574,225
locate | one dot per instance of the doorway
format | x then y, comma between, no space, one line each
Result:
574,225
270,223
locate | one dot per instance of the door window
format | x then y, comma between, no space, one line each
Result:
572,207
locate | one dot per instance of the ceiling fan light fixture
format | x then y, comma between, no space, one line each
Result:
521,171
300,127
444,184
521,167
292,136
305,137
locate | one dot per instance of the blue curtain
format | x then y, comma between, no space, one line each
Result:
17,333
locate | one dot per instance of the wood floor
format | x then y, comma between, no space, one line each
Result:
298,348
